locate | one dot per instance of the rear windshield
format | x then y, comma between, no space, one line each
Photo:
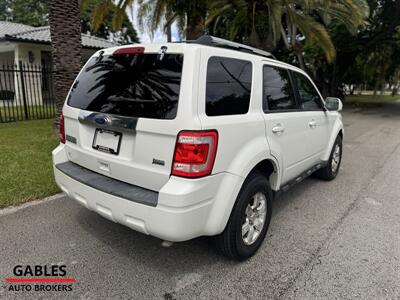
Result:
133,85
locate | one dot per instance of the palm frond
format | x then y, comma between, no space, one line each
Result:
120,13
101,10
316,33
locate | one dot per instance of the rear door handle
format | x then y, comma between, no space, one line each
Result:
278,129
312,124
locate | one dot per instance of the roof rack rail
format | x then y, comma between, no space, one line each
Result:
213,41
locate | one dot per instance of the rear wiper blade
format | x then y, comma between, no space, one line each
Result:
129,99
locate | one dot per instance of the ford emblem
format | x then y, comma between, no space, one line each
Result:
101,120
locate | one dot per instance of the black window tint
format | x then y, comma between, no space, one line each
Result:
228,86
309,97
135,85
278,92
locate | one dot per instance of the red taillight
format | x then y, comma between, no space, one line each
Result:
195,153
130,50
61,128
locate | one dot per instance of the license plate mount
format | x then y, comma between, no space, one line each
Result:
107,141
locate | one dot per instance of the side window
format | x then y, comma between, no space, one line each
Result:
228,86
309,98
278,92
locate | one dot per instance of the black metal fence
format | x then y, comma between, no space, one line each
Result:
26,92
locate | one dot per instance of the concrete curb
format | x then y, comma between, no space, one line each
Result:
13,209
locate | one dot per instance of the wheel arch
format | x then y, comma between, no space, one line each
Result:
222,209
268,167
337,131
341,133
255,154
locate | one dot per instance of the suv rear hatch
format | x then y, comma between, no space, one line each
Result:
121,117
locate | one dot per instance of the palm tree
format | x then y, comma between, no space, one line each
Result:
196,11
65,30
240,20
190,15
301,18
289,21
153,14
104,30
103,8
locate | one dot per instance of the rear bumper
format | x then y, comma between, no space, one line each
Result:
185,209
108,185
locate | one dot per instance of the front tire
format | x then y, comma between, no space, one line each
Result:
330,171
249,219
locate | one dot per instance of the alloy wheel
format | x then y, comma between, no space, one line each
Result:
255,216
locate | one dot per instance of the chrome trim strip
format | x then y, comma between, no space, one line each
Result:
107,121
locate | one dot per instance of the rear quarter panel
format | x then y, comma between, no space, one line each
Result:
242,140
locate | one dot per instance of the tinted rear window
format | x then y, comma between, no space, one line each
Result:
228,86
135,85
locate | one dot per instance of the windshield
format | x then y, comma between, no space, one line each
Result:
134,85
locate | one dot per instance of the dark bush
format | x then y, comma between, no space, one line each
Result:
7,95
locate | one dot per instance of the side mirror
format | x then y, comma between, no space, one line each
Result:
333,104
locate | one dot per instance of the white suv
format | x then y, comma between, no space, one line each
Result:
181,140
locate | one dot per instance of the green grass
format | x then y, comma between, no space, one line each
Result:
13,113
25,161
371,99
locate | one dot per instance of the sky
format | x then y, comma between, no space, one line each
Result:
145,37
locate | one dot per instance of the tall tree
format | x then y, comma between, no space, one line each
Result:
28,12
190,14
358,55
65,30
155,14
292,22
126,35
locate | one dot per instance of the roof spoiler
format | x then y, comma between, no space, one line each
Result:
209,40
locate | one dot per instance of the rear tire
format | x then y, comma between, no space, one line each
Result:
330,171
249,219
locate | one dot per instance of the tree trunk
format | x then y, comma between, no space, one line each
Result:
195,19
382,81
169,33
300,58
394,90
333,82
295,47
395,83
383,87
195,24
284,38
254,39
376,87
65,31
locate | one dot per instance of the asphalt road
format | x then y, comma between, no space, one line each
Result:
336,240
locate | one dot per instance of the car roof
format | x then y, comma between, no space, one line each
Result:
181,47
